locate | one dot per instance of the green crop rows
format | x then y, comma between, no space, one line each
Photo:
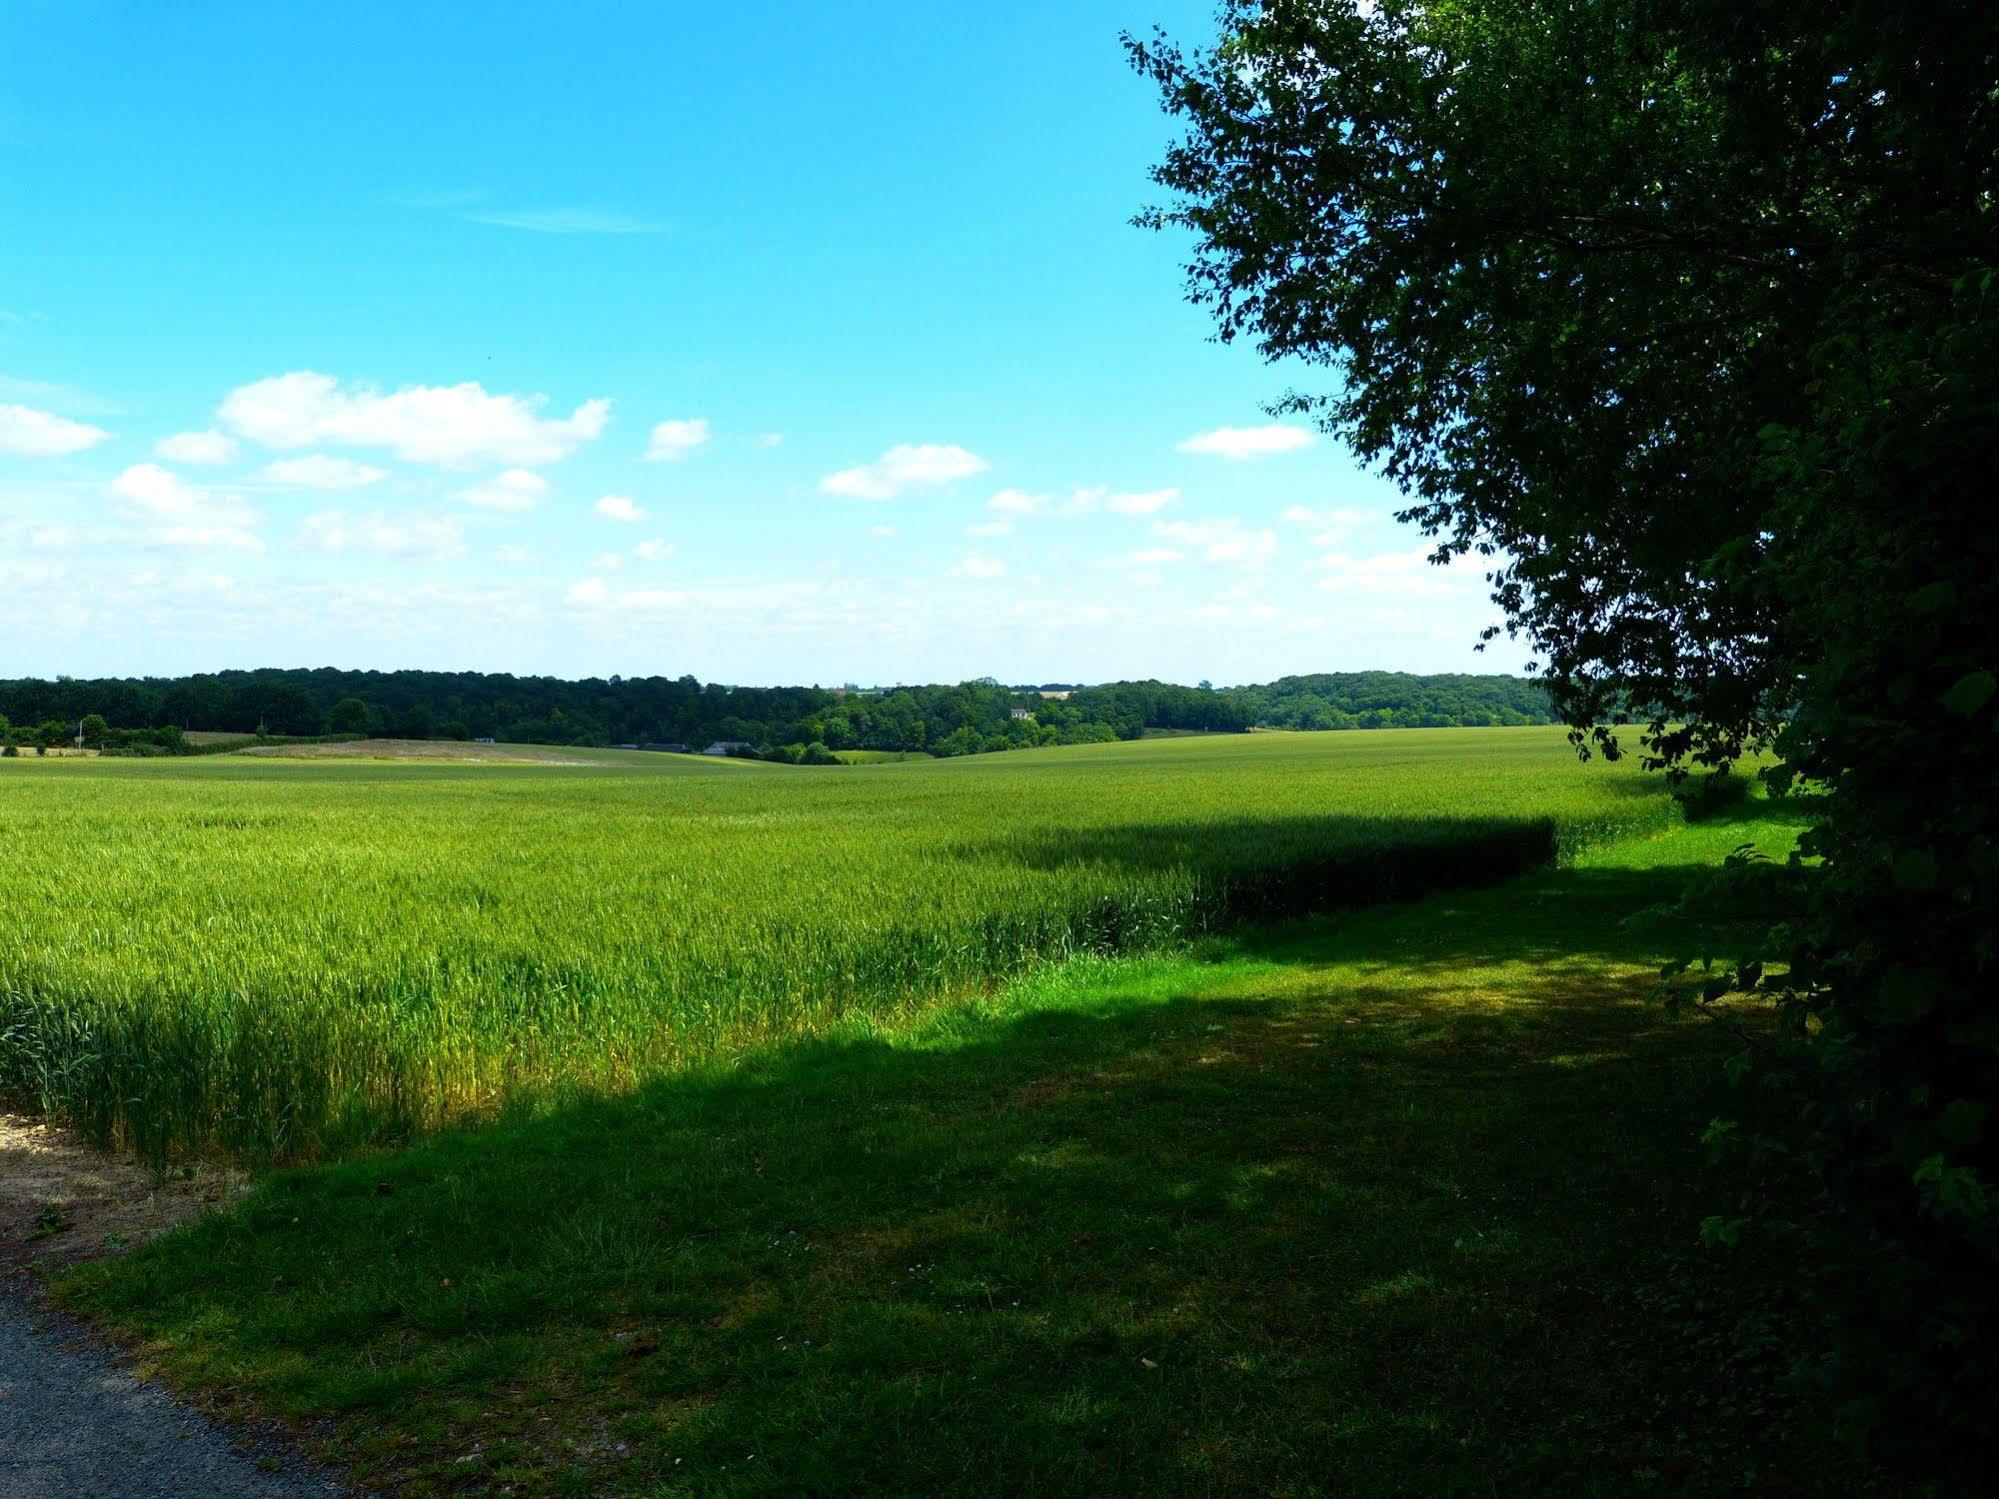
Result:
286,957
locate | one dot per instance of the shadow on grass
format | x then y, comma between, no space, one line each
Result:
1395,1205
1259,869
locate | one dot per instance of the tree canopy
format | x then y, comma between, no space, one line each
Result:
1679,318
945,719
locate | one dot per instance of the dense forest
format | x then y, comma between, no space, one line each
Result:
968,718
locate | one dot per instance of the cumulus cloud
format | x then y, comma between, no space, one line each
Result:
175,513
1225,541
884,530
322,471
205,448
675,440
28,433
907,466
514,555
425,536
655,550
453,426
1020,502
979,565
513,491
619,508
1241,443
1146,503
990,528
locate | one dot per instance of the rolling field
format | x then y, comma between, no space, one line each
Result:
282,957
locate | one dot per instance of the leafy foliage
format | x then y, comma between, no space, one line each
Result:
1681,316
783,722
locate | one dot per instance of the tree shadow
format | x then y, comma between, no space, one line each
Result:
1363,1208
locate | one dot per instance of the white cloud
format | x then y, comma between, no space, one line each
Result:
770,439
206,448
25,536
515,555
594,595
1240,443
990,528
655,550
979,565
1405,573
1339,523
204,539
1224,541
608,562
919,466
1083,501
425,536
321,471
456,426
178,514
674,440
28,433
1019,502
514,490
1147,557
1147,503
884,530
619,508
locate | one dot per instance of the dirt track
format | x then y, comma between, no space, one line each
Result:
75,1420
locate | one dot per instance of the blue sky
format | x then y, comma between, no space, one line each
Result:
797,342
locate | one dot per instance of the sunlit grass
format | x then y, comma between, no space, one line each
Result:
285,957
1393,1202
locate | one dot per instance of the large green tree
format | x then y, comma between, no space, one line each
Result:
1680,318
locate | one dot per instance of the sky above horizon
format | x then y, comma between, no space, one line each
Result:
804,344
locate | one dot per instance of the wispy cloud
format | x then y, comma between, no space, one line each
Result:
29,433
69,398
564,221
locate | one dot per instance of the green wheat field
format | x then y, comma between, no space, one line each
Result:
286,957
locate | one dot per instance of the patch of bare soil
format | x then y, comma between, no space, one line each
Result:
62,1200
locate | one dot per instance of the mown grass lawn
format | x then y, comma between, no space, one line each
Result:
1399,1202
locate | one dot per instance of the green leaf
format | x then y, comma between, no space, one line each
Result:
1904,998
1933,598
1972,692
1915,869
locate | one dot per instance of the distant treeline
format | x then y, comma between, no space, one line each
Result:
968,718
1396,700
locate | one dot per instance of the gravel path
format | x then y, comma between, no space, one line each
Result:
75,1423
